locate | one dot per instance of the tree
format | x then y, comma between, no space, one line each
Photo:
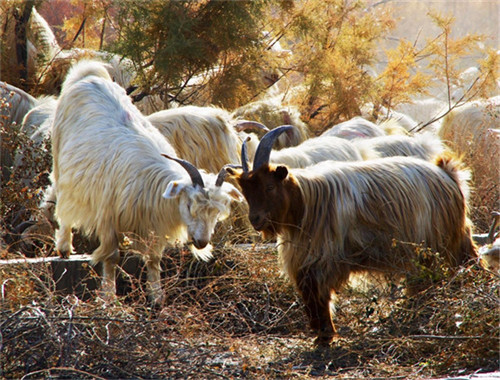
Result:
445,51
410,69
86,27
334,47
204,51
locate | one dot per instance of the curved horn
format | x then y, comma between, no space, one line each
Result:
223,173
266,144
244,125
193,172
244,156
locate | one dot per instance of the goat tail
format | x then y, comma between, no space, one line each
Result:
456,170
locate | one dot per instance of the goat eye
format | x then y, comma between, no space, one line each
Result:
270,188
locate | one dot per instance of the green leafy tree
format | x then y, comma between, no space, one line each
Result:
206,51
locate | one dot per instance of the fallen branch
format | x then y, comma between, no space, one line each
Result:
48,371
442,337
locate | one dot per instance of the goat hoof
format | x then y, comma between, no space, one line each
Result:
324,340
63,254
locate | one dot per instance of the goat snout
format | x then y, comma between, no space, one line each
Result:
258,221
200,243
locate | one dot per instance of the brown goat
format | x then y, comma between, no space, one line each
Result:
333,219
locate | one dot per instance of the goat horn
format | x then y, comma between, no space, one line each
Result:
244,125
193,172
223,173
131,89
244,156
266,144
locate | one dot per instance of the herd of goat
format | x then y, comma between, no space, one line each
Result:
353,199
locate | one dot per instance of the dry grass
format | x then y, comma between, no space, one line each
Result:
237,317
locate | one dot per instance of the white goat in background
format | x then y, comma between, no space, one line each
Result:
14,104
202,135
355,128
315,150
271,112
423,145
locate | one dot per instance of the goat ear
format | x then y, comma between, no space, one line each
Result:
281,172
173,190
235,194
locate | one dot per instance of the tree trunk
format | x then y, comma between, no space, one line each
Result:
21,30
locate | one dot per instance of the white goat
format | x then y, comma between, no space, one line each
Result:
314,150
37,123
424,111
194,132
355,128
202,135
110,178
272,113
14,104
424,145
472,81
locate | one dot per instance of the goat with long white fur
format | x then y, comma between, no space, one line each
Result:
424,145
424,111
355,128
338,218
14,104
194,132
37,123
110,178
271,112
207,137
204,136
315,150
